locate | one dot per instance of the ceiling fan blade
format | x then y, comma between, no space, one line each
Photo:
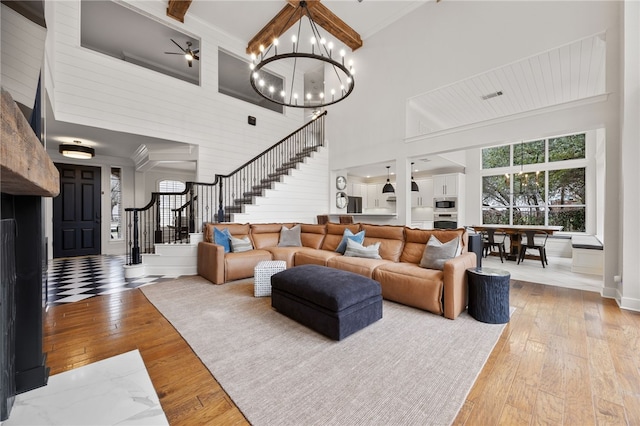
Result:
196,57
196,50
174,42
173,53
190,63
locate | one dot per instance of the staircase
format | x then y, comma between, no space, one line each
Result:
286,183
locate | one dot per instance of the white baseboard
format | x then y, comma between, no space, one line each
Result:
629,303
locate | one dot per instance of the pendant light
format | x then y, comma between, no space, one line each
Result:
414,185
387,186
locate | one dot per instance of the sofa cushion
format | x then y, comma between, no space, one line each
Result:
335,231
239,245
358,250
437,253
416,240
290,237
348,235
312,235
222,238
266,235
241,265
411,285
390,237
235,229
357,265
314,257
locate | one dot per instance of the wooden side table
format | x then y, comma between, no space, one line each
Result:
489,294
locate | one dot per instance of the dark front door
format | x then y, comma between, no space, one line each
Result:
76,212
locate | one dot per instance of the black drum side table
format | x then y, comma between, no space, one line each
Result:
489,294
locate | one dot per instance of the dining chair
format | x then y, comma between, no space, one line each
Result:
490,241
533,243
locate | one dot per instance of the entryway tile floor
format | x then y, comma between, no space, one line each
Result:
73,279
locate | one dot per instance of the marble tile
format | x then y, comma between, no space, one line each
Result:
115,391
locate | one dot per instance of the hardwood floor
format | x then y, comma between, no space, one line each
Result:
566,357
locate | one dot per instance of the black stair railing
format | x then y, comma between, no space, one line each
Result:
170,216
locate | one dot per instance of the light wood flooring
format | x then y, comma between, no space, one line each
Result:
566,357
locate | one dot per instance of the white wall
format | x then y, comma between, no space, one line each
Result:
22,54
92,89
441,43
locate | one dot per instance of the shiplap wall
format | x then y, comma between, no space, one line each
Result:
22,55
300,197
97,90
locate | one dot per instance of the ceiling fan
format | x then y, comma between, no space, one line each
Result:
188,53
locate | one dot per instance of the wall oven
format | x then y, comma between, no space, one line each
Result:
445,220
445,204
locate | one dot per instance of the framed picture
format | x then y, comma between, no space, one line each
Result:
341,182
341,200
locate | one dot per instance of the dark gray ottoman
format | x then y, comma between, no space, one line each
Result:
330,301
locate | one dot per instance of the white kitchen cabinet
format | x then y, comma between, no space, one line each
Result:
446,185
424,197
358,190
377,200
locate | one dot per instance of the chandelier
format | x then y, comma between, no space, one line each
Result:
321,53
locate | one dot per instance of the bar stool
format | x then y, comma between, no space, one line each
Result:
322,219
346,219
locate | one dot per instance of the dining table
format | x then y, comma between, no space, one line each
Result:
515,233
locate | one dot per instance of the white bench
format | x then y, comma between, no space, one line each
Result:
587,254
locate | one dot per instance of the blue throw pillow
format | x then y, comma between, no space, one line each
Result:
222,238
348,235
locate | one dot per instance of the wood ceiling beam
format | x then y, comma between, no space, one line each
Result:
274,29
321,16
176,9
333,24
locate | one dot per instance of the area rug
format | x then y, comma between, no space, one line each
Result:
410,367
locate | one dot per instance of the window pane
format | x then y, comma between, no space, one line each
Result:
528,215
496,157
495,216
528,189
528,153
570,218
169,202
567,186
116,203
567,148
495,190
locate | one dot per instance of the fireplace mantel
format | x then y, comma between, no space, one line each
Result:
26,168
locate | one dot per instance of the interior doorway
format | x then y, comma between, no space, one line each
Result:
76,212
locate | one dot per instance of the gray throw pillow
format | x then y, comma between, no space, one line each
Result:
238,245
358,250
436,253
290,237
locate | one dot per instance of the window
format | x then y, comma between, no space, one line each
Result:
170,202
536,187
233,80
116,203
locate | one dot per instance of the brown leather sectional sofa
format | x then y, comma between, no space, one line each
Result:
398,272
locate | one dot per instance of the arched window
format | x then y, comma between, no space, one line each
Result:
170,202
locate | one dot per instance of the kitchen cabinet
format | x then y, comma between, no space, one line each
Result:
424,197
377,200
446,185
358,190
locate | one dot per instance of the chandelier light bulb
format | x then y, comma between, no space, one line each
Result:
323,41
261,83
253,56
309,96
295,96
252,66
294,39
349,80
313,40
342,52
333,91
255,75
271,89
321,95
261,48
330,45
282,93
275,42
